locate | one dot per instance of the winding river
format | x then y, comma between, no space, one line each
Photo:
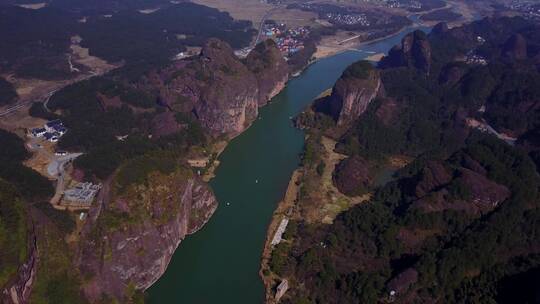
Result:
220,263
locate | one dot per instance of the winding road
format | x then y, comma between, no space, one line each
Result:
261,26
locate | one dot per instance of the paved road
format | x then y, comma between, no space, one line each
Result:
263,20
45,98
56,168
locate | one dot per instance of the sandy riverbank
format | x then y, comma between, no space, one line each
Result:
329,45
285,208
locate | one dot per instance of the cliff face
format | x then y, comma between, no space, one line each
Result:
414,51
215,86
220,90
129,243
515,47
353,92
18,291
270,69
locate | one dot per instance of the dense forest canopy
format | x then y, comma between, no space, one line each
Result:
7,92
458,223
36,42
30,185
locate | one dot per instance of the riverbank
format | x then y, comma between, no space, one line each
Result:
290,206
295,207
253,176
284,210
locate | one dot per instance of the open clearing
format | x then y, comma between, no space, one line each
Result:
254,11
82,56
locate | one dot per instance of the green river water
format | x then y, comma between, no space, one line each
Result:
220,263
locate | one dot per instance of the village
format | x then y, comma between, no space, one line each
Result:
403,4
70,193
472,58
529,9
289,41
348,19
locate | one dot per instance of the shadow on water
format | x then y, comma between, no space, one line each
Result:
220,263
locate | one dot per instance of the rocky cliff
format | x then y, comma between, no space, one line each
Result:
129,242
354,91
515,47
270,69
222,92
18,291
414,51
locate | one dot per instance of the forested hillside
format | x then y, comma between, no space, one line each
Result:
447,157
37,42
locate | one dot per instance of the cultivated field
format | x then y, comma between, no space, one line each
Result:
255,11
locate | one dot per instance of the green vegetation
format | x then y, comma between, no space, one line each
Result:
360,69
126,36
61,218
13,232
35,51
38,110
137,170
7,92
57,279
94,129
420,233
30,184
368,233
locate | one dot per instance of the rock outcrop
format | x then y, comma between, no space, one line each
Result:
270,69
18,291
463,190
352,176
515,48
414,51
354,91
433,176
129,244
222,92
216,86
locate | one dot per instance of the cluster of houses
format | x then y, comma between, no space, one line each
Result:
348,19
51,131
292,40
475,59
288,46
407,4
273,29
289,41
528,8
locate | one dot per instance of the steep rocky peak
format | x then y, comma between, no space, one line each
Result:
515,47
270,69
414,51
354,91
216,49
136,248
440,28
222,91
264,56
